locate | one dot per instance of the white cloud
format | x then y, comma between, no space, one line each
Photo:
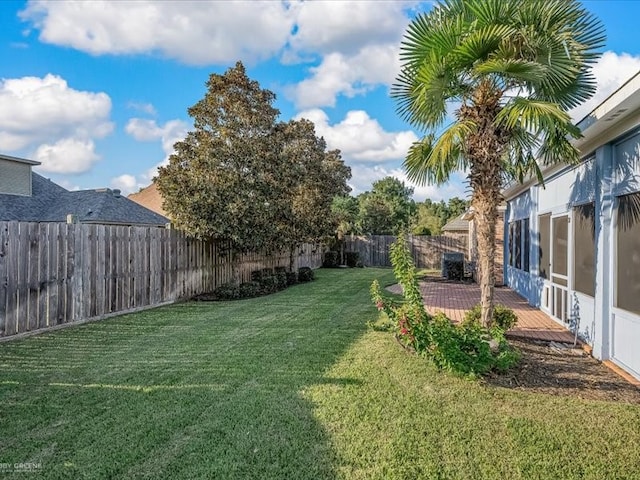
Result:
611,71
142,107
191,31
361,138
127,184
145,130
35,110
54,122
363,177
347,27
347,75
67,155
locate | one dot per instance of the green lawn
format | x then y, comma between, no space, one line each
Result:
289,386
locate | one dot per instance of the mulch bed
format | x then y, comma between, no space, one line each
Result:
562,370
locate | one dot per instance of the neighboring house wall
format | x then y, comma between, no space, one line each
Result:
573,246
15,177
149,197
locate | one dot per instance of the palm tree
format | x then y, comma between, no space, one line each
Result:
512,68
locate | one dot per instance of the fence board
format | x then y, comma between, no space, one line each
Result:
427,251
4,281
53,273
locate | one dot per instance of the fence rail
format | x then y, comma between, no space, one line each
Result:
58,273
427,250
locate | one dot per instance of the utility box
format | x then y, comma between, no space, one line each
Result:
453,265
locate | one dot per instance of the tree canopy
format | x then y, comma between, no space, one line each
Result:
242,177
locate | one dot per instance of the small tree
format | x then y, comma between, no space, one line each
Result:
387,208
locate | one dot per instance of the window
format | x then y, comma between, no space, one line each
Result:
544,249
628,253
584,257
527,247
519,244
560,241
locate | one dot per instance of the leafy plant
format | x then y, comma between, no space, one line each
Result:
504,318
305,274
464,349
351,258
331,259
292,278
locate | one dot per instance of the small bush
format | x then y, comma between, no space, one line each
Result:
503,317
227,291
281,279
250,289
292,278
269,284
256,276
305,274
267,272
359,264
351,259
331,259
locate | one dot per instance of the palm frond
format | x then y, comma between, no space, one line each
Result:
432,161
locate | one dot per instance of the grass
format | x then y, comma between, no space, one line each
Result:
288,386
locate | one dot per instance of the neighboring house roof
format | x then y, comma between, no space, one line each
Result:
150,198
50,202
458,224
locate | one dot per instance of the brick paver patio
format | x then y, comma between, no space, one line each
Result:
454,299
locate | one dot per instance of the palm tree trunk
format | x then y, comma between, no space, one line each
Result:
485,217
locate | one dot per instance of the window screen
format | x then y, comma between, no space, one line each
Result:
517,244
560,240
584,234
628,253
527,247
511,232
544,249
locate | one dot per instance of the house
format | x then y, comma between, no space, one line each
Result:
458,226
28,197
572,246
149,197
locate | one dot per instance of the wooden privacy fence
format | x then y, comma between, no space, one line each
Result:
57,273
427,250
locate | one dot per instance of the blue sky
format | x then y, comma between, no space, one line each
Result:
98,91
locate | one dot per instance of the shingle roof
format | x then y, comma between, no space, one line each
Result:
50,202
456,225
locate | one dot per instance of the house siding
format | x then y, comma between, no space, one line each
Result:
15,178
611,171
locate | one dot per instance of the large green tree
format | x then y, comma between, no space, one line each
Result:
240,177
510,69
314,177
387,208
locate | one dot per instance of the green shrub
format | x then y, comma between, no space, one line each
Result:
331,259
305,274
227,291
464,349
281,279
351,259
250,289
292,278
256,275
503,317
269,284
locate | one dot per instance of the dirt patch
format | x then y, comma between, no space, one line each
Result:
558,370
